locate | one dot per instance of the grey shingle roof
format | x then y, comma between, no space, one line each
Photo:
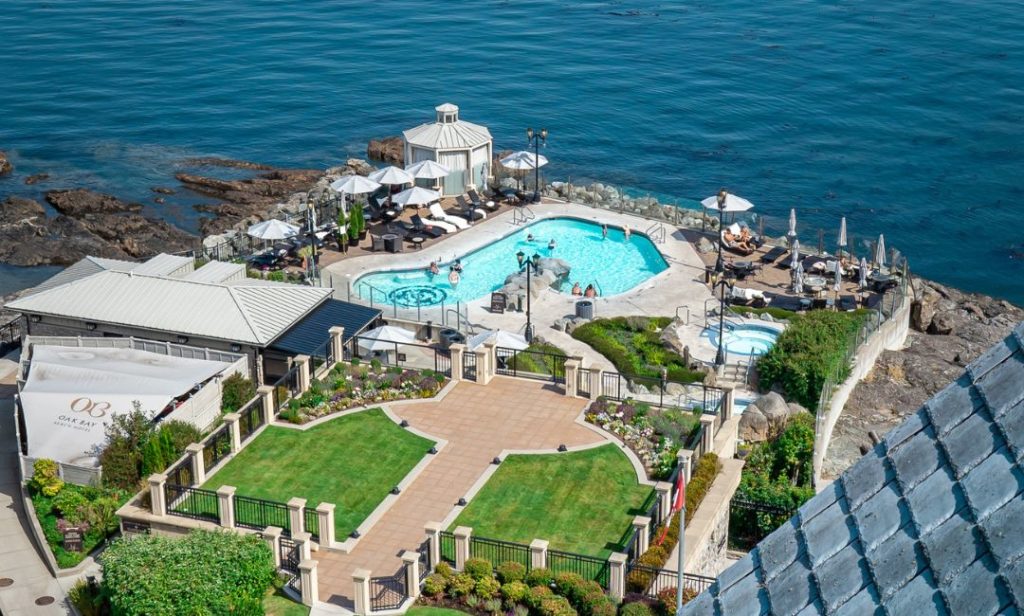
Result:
931,521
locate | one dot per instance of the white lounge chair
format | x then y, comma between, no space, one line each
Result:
437,213
440,224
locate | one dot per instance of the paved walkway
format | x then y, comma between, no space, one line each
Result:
19,560
479,422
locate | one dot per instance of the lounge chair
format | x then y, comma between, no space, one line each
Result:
785,262
847,302
440,224
747,297
469,210
773,255
438,214
479,202
735,245
420,226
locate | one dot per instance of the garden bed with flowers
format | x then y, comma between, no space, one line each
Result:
357,384
654,434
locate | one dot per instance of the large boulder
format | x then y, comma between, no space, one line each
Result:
389,149
775,410
942,323
559,267
670,337
5,164
753,426
81,201
923,308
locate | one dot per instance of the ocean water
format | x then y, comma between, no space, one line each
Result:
907,117
612,264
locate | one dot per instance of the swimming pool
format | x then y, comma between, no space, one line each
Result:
613,265
745,339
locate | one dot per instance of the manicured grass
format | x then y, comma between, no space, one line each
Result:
352,461
276,603
581,502
427,610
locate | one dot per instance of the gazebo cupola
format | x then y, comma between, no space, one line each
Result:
463,147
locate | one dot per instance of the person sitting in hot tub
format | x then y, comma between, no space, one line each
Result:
576,290
453,278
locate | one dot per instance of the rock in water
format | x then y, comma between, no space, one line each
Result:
35,178
79,201
5,164
389,149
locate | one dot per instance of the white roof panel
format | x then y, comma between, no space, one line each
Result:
216,271
163,265
451,136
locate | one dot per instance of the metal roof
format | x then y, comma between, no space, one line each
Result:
164,264
249,314
160,265
929,522
309,334
217,271
460,135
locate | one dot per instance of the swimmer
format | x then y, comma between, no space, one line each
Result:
453,278
590,292
457,266
604,231
576,290
551,244
626,231
433,269
529,237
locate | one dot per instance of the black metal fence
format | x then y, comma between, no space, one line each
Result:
696,442
10,336
311,523
389,592
633,546
181,475
217,447
189,502
530,364
402,355
590,567
584,387
447,544
323,356
651,581
250,418
469,365
751,521
290,555
257,513
661,393
424,560
498,551
285,388
654,513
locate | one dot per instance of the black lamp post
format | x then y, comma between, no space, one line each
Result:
536,140
312,239
721,281
528,265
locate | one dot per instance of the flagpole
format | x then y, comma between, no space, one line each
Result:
679,564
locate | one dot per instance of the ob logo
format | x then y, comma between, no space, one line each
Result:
93,409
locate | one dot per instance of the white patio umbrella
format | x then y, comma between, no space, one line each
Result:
795,255
842,234
272,229
354,185
798,278
863,273
392,176
500,338
792,224
880,251
417,195
523,161
428,170
732,203
384,338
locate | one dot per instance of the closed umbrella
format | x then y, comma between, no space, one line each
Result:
880,252
272,230
732,203
842,235
500,338
839,278
794,255
792,225
384,338
417,195
863,273
798,279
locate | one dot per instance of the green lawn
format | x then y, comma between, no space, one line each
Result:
276,603
352,461
581,502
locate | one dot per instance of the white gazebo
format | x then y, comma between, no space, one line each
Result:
463,147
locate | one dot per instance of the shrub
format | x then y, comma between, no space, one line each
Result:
703,476
434,585
479,568
605,607
514,592
636,609
493,606
556,606
236,390
202,573
537,595
567,584
633,345
461,585
86,598
667,599
445,570
45,477
487,587
511,571
71,504
540,576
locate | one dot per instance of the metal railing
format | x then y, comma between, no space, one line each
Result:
311,522
652,581
446,541
285,388
424,560
589,567
181,475
523,214
530,364
250,418
189,502
257,513
402,355
290,555
656,233
388,592
661,393
216,447
584,383
10,336
498,551
469,365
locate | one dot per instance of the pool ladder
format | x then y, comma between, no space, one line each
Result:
656,233
522,214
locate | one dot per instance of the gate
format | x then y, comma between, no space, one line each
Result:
583,385
530,364
469,365
289,556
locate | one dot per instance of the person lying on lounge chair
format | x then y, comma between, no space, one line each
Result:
736,242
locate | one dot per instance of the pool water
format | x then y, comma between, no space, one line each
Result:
613,265
744,340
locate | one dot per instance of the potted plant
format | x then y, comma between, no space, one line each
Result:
358,214
340,234
355,220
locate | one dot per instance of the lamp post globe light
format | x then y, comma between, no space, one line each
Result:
528,265
720,280
536,139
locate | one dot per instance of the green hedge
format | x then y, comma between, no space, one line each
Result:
202,573
808,352
236,391
633,345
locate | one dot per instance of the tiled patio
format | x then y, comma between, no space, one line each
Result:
479,422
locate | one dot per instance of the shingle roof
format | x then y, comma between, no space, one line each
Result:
249,314
931,521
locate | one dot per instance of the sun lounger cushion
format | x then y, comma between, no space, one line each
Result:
735,229
772,255
437,213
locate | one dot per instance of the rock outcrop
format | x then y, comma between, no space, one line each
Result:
78,202
390,150
965,325
5,164
766,417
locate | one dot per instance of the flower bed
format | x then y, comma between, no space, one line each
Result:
654,435
634,346
356,384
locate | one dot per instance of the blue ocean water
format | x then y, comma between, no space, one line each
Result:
907,117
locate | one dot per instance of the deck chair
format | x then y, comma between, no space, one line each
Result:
735,246
479,202
440,224
420,226
773,255
470,211
438,214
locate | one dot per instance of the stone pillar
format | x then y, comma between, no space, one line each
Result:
538,553
337,343
433,530
684,458
302,361
617,575
361,595
728,398
642,524
303,541
457,351
482,369
664,490
296,508
462,535
325,514
708,438
157,500
308,582
231,419
272,535
412,572
266,394
572,369
596,385
198,464
490,362
226,506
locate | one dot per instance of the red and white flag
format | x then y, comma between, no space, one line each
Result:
680,501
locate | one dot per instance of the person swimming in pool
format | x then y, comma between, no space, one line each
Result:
604,232
457,266
551,244
433,269
626,231
529,237
576,290
454,278
590,292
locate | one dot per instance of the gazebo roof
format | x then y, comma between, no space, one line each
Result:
448,132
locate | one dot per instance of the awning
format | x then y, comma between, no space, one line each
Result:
309,335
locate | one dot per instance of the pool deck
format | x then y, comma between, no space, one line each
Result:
680,285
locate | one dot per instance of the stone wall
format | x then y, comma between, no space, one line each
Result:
707,536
